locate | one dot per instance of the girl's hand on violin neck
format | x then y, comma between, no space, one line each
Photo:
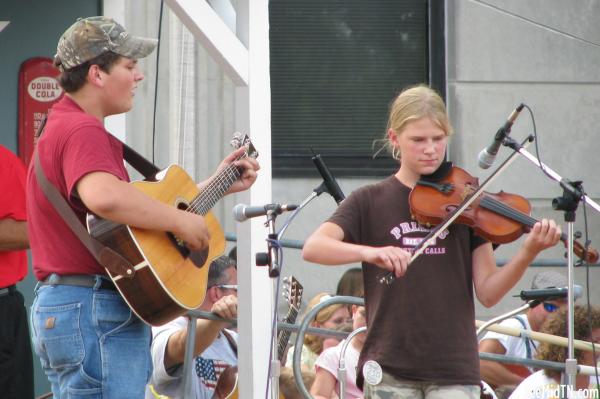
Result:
544,234
393,259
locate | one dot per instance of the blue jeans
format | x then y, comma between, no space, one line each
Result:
91,345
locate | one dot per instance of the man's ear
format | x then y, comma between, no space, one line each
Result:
213,294
95,75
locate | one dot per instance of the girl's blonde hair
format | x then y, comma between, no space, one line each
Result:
315,342
412,104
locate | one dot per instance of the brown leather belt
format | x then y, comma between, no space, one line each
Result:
80,280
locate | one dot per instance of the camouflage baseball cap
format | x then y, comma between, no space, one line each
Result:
89,37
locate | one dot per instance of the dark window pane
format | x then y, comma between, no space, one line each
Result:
335,66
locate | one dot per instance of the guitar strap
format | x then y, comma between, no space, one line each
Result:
107,257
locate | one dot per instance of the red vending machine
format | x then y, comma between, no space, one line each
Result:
38,91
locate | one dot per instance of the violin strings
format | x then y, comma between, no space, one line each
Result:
505,210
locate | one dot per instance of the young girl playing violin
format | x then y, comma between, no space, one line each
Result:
421,340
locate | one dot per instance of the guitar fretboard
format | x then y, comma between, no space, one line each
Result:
215,189
284,335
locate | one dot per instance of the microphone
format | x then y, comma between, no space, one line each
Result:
487,156
550,293
329,181
242,212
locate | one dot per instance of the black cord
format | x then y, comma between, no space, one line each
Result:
160,18
536,141
587,282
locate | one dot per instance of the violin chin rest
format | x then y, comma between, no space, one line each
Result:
440,173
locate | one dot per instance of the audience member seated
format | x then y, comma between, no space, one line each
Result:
351,283
505,377
545,384
326,380
329,318
215,345
287,383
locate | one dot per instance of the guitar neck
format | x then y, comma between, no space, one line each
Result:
215,189
284,335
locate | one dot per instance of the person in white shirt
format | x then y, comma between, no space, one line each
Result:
504,377
545,384
326,383
216,346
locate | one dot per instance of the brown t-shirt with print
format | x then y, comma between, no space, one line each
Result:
420,327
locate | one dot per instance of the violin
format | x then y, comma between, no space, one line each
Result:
500,218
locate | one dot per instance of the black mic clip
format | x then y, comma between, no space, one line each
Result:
321,188
276,209
270,258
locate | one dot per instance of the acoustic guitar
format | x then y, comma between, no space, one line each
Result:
169,279
227,385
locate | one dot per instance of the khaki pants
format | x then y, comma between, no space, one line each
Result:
392,388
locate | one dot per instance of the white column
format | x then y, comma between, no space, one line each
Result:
116,124
253,115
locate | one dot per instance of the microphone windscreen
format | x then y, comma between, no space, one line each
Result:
238,213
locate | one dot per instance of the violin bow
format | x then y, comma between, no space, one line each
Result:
430,238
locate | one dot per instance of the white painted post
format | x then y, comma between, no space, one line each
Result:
253,114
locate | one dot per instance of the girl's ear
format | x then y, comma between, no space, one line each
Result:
394,141
392,136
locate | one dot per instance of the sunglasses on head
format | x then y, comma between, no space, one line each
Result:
227,286
550,307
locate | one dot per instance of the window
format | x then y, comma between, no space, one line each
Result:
335,67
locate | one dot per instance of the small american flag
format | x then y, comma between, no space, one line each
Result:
209,370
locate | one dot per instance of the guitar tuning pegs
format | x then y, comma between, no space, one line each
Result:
237,140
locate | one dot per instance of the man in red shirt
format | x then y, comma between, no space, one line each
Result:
87,338
16,363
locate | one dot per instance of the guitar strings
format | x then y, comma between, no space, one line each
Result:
215,189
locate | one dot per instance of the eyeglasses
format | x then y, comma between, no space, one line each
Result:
550,307
227,286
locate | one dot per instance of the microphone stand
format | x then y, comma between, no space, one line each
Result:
568,202
271,259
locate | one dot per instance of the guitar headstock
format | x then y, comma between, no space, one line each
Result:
292,292
243,140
